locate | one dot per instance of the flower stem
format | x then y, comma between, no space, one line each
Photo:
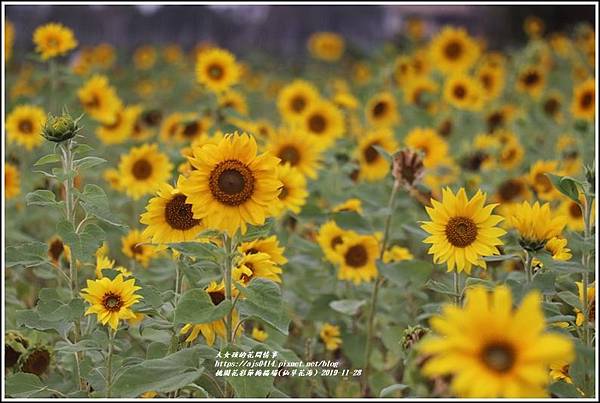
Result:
457,292
378,281
528,261
227,279
586,258
111,339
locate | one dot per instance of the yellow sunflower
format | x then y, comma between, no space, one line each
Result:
397,254
256,265
503,352
533,26
99,99
171,128
574,215
269,245
330,335
113,178
324,121
329,237
111,300
232,186
373,166
356,256
558,249
559,371
433,146
53,39
24,126
421,92
532,81
491,81
462,231
293,192
169,218
351,204
512,152
193,127
361,73
144,57
540,182
453,50
12,181
583,105
463,92
259,334
294,99
536,223
591,297
234,100
512,190
119,130
298,149
135,246
217,69
382,110
9,39
143,170
327,46
552,106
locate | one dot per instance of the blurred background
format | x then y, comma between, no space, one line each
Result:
281,30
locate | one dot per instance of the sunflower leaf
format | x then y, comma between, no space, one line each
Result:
23,385
47,159
88,162
568,186
94,202
83,245
248,386
195,306
26,254
42,197
263,300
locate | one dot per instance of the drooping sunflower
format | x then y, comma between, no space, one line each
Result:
135,245
531,81
293,193
382,110
294,99
541,183
269,245
143,170
324,121
298,149
169,218
24,126
329,237
119,130
356,256
503,352
330,335
232,186
453,50
217,69
12,181
327,46
100,99
583,105
111,300
256,265
463,92
462,230
536,224
433,146
373,166
53,39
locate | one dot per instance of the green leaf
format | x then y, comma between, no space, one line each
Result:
563,389
570,299
94,202
82,149
544,282
263,301
87,162
27,254
248,386
350,220
439,287
83,245
166,374
42,197
83,345
23,385
31,318
414,271
47,159
151,296
195,306
197,249
255,232
390,390
347,306
568,186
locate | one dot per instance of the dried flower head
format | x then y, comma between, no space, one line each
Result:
408,169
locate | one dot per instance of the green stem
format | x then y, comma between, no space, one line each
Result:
528,261
586,258
111,338
53,85
378,281
457,292
227,279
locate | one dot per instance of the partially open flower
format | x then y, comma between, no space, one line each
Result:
61,128
408,169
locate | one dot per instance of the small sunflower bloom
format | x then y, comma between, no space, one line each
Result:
53,40
330,335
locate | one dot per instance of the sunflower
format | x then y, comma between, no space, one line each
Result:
103,262
269,245
52,40
169,218
356,256
373,166
583,105
491,81
453,50
295,98
397,254
234,100
361,73
173,54
143,170
327,46
463,92
293,192
536,224
329,237
58,249
558,249
144,57
24,126
541,183
135,245
113,178
462,230
324,121
259,334
193,126
232,186
296,148
433,146
349,205
119,130
572,211
503,352
591,297
256,265
512,190
12,181
330,335
171,127
533,26
531,80
421,92
9,39
99,99
382,110
511,153
217,69
111,300
552,106
559,371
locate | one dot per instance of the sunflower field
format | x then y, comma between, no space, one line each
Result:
414,222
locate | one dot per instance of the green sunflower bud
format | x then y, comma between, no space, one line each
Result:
36,360
61,128
15,345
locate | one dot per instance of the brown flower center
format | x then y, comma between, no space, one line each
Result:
231,182
459,91
446,128
486,81
370,153
178,214
153,117
461,231
317,124
335,241
136,249
37,363
25,126
290,154
575,210
499,357
191,129
215,71
495,120
141,169
217,297
510,189
453,50
380,109
531,78
356,256
543,182
116,123
56,249
93,103
112,302
586,100
298,103
551,106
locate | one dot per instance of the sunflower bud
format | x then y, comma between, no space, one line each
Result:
61,128
408,169
36,360
15,345
412,335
